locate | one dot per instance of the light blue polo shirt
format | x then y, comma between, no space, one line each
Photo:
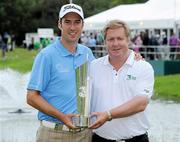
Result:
53,74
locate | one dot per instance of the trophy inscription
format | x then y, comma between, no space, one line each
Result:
83,85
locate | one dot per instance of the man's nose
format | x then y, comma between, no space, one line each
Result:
72,26
115,42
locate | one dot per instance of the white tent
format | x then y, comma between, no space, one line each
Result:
152,14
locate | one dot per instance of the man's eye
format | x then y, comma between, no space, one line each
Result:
66,22
120,38
111,39
78,22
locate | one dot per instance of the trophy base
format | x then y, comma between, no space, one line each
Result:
80,121
83,121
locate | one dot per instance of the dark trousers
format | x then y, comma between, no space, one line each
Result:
141,138
172,55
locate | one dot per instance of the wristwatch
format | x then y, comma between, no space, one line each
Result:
109,115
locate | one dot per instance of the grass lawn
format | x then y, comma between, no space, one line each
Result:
21,60
167,87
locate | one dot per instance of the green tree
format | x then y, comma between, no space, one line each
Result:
16,16
117,2
92,7
21,16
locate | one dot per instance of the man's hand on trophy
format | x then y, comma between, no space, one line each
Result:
101,118
68,120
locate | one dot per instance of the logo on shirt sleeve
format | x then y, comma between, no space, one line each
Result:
146,91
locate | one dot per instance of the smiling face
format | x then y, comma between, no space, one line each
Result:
117,42
71,26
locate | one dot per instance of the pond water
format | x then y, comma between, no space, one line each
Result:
164,116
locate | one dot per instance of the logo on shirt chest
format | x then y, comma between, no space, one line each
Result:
130,77
62,68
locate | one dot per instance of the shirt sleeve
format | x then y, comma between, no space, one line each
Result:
40,74
90,55
145,84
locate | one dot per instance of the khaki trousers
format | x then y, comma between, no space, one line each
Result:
45,134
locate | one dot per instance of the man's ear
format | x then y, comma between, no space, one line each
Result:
82,24
59,24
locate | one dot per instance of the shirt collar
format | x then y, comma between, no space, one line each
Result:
63,51
129,61
106,60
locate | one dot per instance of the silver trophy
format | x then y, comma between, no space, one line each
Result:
83,86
